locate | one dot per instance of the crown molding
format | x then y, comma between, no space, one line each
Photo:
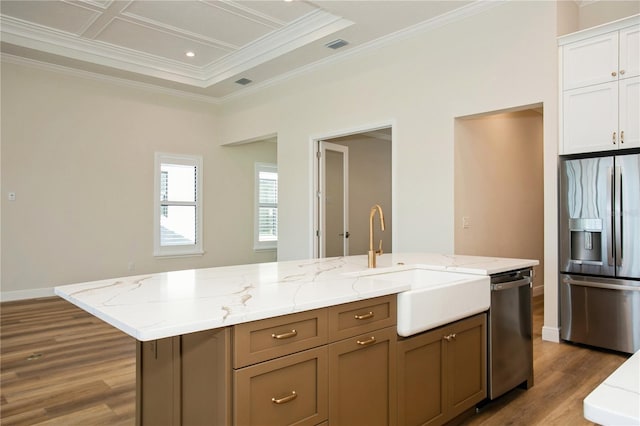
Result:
472,9
25,34
307,29
18,60
302,31
582,3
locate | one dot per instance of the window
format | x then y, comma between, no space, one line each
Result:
177,205
266,222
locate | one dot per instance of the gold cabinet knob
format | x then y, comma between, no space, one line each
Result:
613,139
621,72
613,74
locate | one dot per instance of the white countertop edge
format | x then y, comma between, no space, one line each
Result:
213,323
142,306
480,268
612,404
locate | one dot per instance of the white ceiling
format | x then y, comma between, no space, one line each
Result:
146,41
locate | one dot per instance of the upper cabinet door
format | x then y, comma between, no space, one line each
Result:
590,119
629,112
630,52
590,61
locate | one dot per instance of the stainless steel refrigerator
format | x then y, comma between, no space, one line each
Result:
600,251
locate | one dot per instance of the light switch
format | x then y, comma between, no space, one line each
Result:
12,196
466,222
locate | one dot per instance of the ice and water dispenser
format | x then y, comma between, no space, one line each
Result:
586,241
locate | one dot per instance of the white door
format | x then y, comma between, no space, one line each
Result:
333,200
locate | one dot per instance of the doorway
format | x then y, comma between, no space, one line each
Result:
498,186
353,172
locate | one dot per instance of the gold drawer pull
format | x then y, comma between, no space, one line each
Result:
364,316
290,334
366,342
285,399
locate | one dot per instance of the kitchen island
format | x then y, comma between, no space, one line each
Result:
195,330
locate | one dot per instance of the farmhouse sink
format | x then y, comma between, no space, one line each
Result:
436,298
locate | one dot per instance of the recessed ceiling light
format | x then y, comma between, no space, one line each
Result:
243,81
190,54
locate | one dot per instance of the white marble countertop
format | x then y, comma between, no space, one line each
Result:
616,401
160,305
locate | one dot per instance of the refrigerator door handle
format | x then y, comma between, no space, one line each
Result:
618,215
610,219
600,285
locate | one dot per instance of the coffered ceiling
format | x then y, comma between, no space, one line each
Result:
147,41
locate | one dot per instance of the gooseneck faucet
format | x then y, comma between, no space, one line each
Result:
372,253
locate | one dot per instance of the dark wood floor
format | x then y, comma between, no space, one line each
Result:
61,366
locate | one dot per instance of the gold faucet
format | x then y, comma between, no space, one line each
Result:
372,253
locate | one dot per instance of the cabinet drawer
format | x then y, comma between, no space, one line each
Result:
262,340
355,318
291,390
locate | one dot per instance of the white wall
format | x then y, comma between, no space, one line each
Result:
63,135
595,13
502,58
79,155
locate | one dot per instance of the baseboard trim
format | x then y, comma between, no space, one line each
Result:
551,334
538,290
8,296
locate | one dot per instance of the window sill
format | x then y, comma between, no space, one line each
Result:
260,249
175,255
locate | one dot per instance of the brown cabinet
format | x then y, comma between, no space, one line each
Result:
362,379
277,371
442,372
290,390
184,380
356,371
355,318
270,338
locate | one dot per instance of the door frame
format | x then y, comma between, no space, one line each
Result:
314,145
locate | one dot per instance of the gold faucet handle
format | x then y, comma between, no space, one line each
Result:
379,251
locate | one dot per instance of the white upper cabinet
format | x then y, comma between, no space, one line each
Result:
600,88
629,112
590,118
630,52
592,61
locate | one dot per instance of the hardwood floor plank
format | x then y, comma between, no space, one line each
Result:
86,366
86,372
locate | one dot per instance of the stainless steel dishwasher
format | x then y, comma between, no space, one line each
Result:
510,358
